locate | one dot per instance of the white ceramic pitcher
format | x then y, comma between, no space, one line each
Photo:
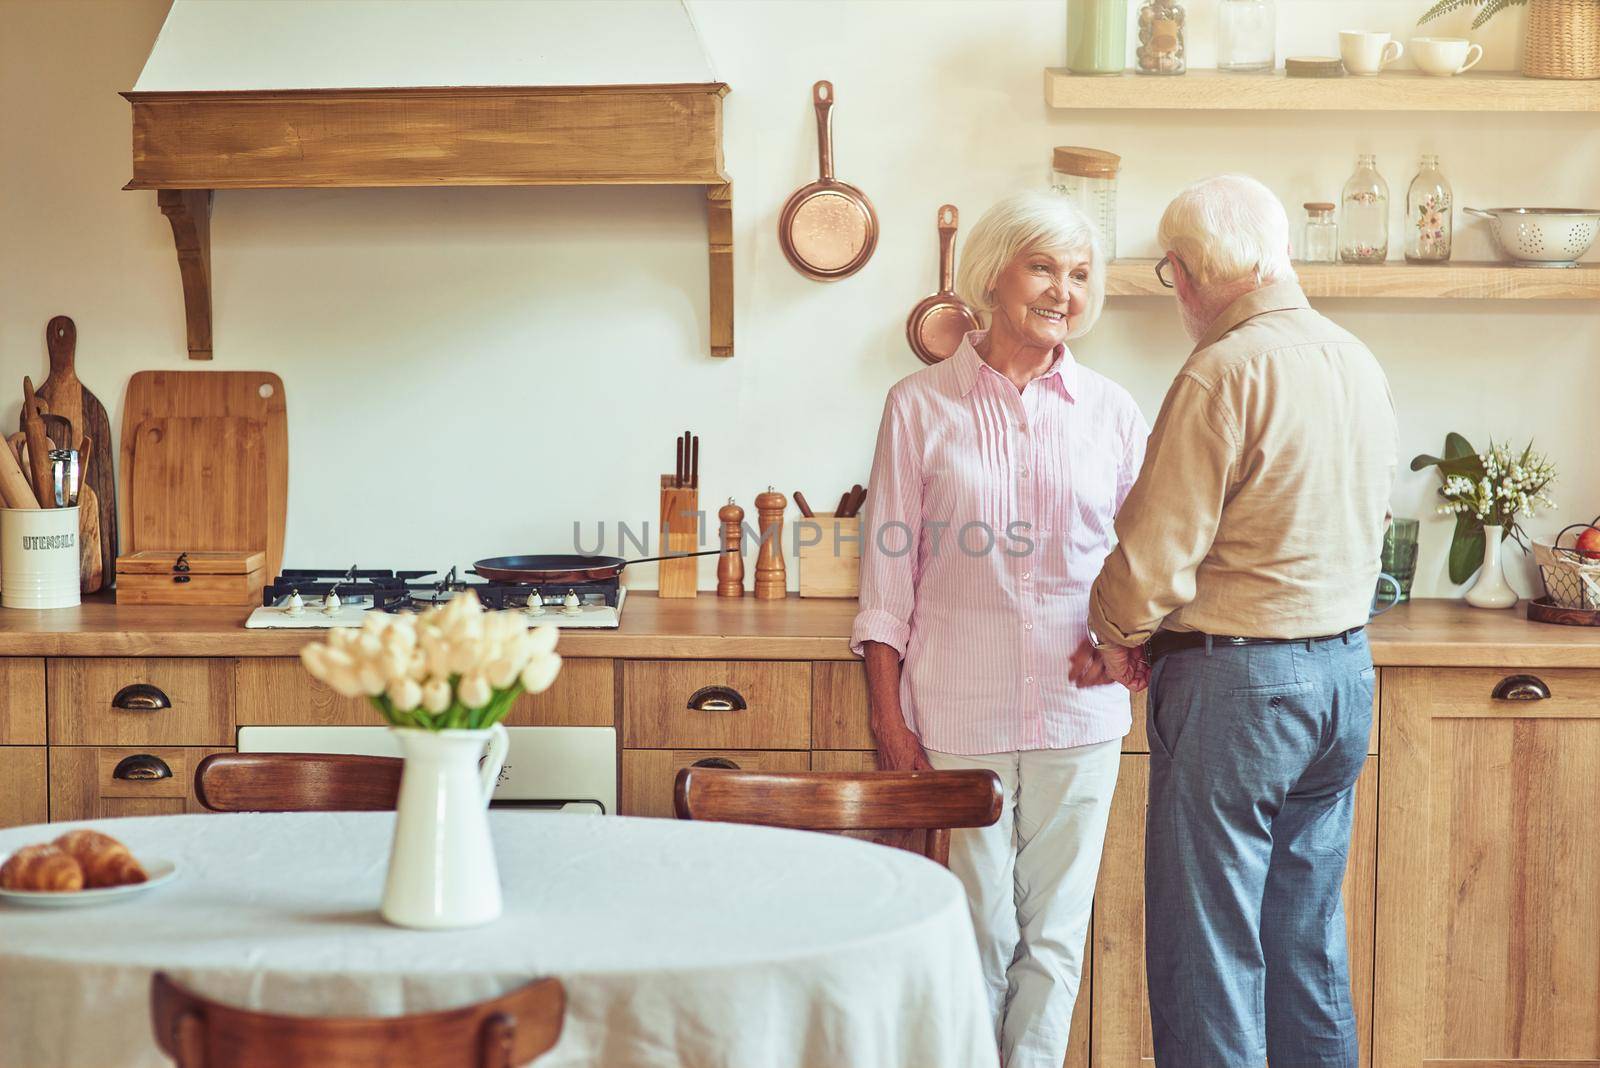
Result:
442,872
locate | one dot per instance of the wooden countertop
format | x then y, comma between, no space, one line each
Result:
1424,632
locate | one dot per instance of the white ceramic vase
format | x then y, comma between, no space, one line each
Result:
1491,590
441,868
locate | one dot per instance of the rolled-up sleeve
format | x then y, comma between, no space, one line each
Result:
890,535
1169,520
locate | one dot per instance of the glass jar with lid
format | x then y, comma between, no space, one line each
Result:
1364,215
1247,35
1321,244
1160,49
1089,177
1097,36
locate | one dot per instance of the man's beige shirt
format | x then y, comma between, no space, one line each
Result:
1262,501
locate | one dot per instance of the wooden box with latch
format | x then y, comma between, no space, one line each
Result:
166,576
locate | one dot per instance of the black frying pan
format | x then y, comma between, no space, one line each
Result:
568,568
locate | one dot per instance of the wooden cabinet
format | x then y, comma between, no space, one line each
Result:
22,702
1489,860
141,701
90,782
278,691
716,704
22,785
1120,1018
648,774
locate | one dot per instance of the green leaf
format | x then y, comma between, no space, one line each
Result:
1466,548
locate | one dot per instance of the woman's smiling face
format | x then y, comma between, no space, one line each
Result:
1041,293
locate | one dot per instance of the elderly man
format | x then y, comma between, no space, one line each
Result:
1248,553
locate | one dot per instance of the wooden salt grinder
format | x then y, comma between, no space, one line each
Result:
771,582
730,565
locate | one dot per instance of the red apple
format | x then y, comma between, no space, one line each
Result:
1588,543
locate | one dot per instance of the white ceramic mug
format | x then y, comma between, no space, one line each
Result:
1444,56
39,557
1367,53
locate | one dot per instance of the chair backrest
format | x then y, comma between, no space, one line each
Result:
297,782
912,810
503,1032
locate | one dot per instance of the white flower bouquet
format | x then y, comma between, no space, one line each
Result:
453,667
1494,488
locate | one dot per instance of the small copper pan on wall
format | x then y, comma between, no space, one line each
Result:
828,228
938,322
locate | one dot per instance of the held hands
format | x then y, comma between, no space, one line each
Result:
1090,666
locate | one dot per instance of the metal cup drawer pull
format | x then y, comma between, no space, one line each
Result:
715,762
717,699
1521,688
141,697
141,767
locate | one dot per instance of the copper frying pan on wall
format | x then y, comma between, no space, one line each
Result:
938,322
828,228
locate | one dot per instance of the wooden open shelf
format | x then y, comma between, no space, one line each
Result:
188,144
1390,91
1469,281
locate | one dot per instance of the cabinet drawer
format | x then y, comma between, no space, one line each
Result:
840,713
648,774
21,701
716,704
23,796
1469,693
88,782
279,692
141,701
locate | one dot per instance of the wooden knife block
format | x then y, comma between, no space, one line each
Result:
680,533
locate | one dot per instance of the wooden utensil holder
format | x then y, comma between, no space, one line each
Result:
680,533
828,555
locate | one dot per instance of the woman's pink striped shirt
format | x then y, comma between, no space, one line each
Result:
989,516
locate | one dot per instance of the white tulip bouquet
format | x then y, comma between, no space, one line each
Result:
453,667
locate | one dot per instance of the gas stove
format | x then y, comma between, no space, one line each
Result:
302,599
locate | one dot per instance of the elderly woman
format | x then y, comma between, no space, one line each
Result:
997,475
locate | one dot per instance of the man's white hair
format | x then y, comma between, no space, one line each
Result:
1228,228
1024,223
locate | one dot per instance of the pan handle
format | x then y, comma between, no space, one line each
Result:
822,97
677,556
948,218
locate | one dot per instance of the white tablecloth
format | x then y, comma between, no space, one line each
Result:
694,944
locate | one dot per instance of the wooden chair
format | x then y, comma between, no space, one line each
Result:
503,1032
297,782
911,810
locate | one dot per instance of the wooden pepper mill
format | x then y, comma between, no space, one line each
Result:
771,581
730,565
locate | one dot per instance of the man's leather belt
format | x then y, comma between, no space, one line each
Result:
1171,641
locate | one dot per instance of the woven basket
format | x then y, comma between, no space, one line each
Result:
1563,39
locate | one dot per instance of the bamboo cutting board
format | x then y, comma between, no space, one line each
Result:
255,505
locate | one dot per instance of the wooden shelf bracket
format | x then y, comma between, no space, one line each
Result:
189,212
719,227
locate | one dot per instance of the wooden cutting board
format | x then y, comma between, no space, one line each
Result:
197,483
68,398
255,396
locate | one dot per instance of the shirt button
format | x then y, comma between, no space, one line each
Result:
1027,626
1023,472
1027,575
1029,680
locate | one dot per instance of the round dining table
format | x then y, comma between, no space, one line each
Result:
679,942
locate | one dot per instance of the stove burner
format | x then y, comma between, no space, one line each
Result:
400,591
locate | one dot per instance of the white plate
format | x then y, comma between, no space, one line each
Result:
160,871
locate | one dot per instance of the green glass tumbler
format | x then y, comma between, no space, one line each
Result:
1097,36
1400,554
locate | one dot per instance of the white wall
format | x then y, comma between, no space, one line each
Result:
471,370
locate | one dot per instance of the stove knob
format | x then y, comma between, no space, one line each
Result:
330,603
535,604
295,604
570,604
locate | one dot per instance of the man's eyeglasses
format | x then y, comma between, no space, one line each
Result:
1161,270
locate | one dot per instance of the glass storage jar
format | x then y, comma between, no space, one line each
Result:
1247,35
1364,215
1428,215
1321,244
1160,49
1089,177
1097,36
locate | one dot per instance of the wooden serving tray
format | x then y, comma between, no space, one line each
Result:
1541,610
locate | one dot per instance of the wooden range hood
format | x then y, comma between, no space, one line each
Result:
189,143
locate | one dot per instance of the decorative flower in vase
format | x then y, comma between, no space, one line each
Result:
452,667
1495,488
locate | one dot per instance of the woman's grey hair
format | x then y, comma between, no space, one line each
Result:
1024,223
1227,228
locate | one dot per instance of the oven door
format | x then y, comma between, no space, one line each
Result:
559,769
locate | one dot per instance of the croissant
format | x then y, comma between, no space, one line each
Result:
105,861
41,867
